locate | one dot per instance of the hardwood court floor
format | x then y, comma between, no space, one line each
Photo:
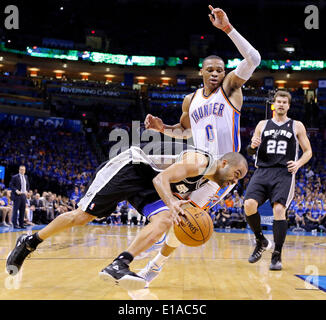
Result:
66,267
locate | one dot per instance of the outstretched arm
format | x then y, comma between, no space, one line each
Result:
181,130
252,58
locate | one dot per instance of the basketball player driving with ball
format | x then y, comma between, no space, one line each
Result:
133,176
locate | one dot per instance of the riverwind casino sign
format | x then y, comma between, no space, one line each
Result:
89,91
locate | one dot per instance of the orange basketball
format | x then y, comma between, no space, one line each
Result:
195,228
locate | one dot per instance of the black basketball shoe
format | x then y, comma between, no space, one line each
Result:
17,256
118,273
261,246
276,263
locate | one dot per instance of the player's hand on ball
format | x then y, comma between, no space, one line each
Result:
176,209
154,123
218,18
255,142
293,166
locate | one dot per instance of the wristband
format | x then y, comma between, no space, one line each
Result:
251,151
228,28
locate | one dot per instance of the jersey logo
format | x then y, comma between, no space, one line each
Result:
181,188
275,133
207,110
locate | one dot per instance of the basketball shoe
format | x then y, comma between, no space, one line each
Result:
150,272
17,256
261,246
118,273
276,263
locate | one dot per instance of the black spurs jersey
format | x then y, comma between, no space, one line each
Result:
278,145
192,183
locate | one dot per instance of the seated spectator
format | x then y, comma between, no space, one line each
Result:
237,219
76,194
28,220
312,218
6,208
40,212
322,221
134,217
223,220
229,201
299,216
123,209
115,217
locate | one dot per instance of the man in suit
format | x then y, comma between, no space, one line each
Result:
39,216
19,185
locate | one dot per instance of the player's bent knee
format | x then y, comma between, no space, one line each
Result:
250,206
279,211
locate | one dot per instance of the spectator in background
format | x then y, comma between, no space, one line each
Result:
2,185
322,221
224,219
300,212
6,208
39,215
135,217
115,217
312,218
123,209
229,201
19,185
76,195
29,209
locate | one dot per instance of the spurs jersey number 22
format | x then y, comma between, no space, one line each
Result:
215,122
278,144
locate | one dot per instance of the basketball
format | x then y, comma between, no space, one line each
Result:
195,228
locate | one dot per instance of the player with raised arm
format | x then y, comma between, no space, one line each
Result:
211,115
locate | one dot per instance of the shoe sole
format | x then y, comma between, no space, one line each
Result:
275,268
126,282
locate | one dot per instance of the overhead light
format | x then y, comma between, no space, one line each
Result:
64,65
141,78
162,71
107,69
280,81
305,82
165,78
85,73
1,58
289,49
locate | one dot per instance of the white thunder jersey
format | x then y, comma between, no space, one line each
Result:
215,123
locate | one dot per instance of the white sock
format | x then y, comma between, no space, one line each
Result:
159,259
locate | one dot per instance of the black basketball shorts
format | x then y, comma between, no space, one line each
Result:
117,180
275,184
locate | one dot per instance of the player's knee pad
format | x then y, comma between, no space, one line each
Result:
171,239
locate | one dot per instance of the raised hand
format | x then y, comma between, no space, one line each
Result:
153,123
218,18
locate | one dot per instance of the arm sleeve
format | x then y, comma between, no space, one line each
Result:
251,56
